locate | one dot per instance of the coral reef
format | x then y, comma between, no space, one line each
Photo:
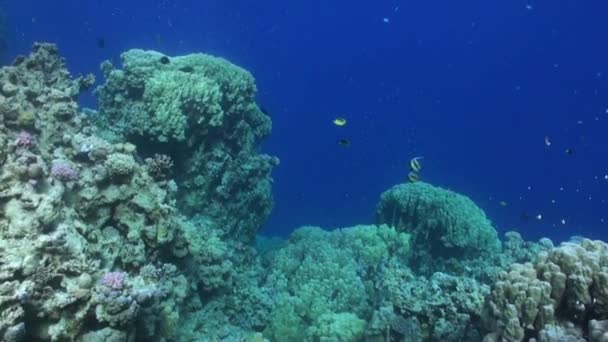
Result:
138,223
200,112
91,245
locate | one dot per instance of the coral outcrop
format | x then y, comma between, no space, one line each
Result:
92,245
200,111
442,223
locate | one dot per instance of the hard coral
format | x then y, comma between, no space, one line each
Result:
63,171
114,280
564,289
443,223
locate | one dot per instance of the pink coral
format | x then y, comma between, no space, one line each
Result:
63,171
114,280
25,140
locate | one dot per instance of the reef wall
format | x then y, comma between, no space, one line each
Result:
92,246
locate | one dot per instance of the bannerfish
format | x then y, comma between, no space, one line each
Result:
415,164
413,177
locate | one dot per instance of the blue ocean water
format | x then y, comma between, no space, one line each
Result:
475,87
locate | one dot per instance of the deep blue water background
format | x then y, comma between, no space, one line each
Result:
473,86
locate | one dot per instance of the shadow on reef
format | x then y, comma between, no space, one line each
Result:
139,222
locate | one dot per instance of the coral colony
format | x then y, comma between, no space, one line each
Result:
143,226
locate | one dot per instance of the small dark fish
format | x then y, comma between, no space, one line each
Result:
525,217
187,69
344,142
101,42
165,60
569,151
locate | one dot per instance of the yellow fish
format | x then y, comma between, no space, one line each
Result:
413,177
339,122
415,164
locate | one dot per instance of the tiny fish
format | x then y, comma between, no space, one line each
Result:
165,60
413,177
339,122
344,142
415,164
101,42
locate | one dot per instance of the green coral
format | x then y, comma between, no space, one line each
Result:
322,277
201,111
442,223
340,327
120,164
177,99
190,92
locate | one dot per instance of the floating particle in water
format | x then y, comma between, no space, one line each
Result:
569,151
539,217
547,141
386,20
529,7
